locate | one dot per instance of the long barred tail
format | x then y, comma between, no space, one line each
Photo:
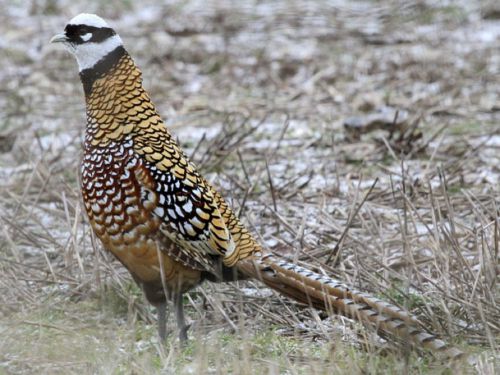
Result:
330,295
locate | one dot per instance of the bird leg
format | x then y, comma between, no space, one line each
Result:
161,310
181,321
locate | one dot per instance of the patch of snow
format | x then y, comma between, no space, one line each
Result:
254,292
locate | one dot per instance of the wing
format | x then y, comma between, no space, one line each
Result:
245,243
184,203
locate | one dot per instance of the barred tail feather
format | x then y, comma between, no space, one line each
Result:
328,294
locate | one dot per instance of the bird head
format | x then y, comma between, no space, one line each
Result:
89,38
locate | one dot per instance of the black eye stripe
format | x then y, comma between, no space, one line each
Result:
84,30
99,34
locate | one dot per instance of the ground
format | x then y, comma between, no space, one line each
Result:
359,138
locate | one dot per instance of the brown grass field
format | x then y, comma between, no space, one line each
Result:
358,138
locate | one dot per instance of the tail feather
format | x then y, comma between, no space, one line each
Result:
328,294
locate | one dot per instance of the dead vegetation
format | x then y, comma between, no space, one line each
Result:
258,94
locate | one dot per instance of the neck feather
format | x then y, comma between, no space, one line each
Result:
103,66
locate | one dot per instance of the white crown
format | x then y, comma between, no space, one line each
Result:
89,20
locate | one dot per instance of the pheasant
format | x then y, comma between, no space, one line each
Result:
154,211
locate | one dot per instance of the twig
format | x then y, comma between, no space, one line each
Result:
349,222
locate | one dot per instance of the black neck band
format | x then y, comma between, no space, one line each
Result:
88,76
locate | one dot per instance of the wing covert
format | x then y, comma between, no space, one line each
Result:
185,205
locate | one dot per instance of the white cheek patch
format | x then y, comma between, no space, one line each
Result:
86,37
89,54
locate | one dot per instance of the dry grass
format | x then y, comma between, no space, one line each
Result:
258,95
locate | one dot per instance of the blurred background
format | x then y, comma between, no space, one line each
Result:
358,137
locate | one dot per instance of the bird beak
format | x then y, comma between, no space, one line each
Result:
59,38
